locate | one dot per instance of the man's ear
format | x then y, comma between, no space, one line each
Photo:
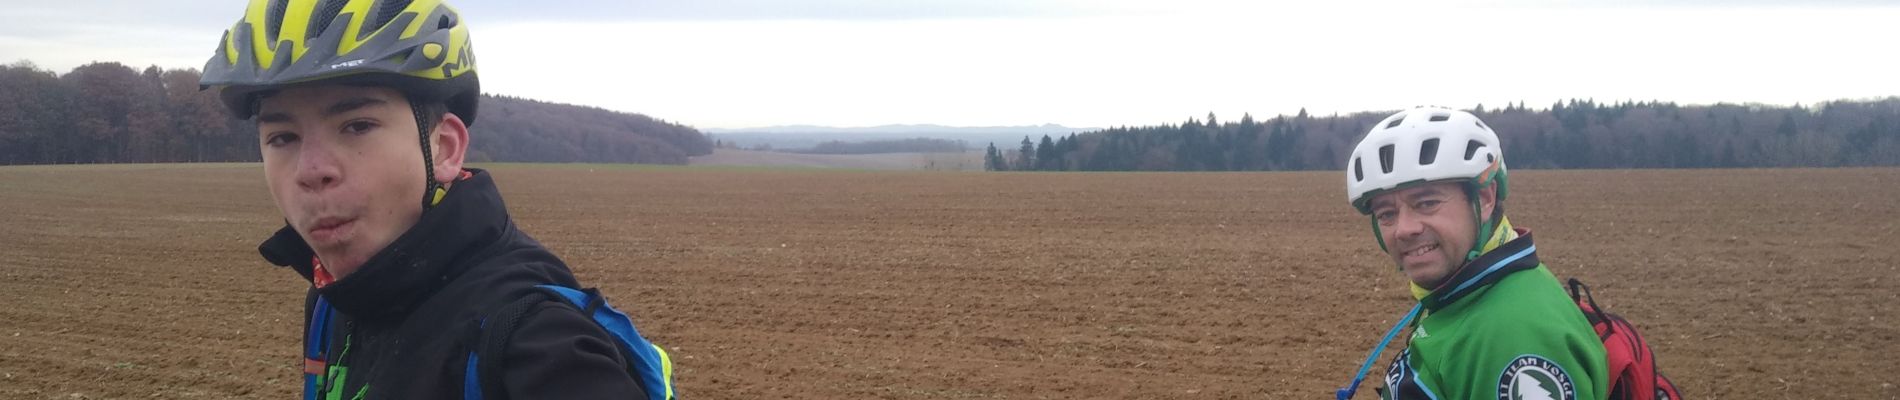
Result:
450,142
1488,200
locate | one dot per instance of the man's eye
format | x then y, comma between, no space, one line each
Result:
281,139
1427,204
1385,217
358,127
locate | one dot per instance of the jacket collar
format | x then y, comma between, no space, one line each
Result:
430,254
1512,256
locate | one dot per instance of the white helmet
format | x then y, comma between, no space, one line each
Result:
1421,145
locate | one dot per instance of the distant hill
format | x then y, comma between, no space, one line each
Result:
111,113
1050,129
522,130
794,137
963,161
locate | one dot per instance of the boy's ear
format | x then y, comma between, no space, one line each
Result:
450,142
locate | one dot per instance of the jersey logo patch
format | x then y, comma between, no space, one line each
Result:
1531,377
1401,368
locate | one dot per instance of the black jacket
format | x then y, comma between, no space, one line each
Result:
410,314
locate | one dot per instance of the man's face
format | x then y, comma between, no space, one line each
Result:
1427,229
344,166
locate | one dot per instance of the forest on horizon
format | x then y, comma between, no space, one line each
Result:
106,112
1578,133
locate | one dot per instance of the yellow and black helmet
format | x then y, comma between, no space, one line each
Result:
420,47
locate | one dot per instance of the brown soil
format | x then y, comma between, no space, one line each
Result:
142,281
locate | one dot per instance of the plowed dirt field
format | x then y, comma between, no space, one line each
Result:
142,281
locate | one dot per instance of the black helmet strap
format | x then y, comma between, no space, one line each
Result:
430,186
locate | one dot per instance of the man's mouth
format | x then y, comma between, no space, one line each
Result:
1420,251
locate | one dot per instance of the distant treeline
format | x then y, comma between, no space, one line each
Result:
917,145
1572,134
109,113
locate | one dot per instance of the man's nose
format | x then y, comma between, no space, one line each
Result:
1405,224
317,168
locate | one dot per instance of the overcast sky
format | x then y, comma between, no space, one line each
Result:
1095,63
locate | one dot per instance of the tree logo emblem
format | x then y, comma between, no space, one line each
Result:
1531,377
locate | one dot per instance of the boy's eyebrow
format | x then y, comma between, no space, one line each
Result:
347,105
351,104
273,117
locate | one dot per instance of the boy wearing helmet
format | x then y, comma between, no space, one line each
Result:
1496,323
362,109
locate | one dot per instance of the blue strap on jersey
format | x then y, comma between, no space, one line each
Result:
1346,393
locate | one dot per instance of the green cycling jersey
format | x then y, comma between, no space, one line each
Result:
1500,328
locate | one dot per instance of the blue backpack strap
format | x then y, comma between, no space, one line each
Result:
471,386
316,345
649,363
483,376
1351,388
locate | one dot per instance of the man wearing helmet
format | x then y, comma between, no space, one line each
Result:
1496,323
362,109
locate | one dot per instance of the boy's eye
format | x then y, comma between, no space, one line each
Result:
281,139
358,127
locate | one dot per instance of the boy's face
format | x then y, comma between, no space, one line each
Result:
344,166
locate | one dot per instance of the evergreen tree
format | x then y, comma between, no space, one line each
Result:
993,159
1046,158
1025,157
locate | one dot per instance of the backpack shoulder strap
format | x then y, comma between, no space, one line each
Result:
316,344
647,363
483,373
1580,294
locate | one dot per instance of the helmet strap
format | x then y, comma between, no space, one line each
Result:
432,191
1484,224
1378,234
1487,224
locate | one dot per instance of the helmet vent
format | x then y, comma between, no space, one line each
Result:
1471,149
274,20
320,21
1428,151
1440,117
1395,122
447,21
387,12
1481,126
1385,158
1358,170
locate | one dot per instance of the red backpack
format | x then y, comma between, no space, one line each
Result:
1633,374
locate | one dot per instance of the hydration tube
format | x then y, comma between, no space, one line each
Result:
1347,392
